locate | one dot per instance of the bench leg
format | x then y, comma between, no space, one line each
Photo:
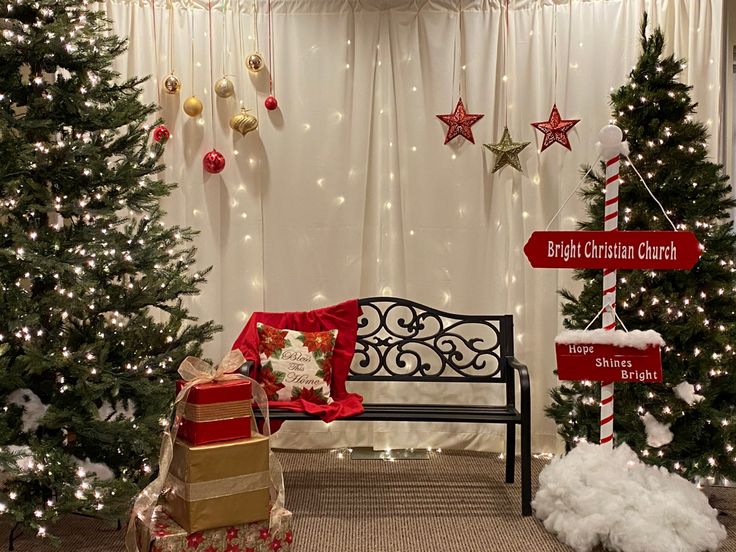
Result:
510,451
526,466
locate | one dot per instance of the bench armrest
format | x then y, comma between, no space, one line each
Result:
524,384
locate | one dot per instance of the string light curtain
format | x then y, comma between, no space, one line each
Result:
347,190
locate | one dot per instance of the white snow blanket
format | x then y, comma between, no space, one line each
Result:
639,339
597,496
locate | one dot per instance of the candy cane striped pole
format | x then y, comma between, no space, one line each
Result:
610,139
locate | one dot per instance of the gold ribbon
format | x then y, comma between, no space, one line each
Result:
212,412
227,486
196,371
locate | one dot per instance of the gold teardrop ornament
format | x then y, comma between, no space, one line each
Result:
243,122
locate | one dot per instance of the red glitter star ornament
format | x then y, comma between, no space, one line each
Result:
555,129
459,122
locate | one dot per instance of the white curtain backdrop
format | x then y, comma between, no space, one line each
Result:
347,190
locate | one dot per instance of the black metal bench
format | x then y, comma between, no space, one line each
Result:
403,341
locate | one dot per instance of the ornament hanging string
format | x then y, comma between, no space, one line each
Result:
224,38
212,79
505,74
554,50
455,77
191,27
461,84
171,36
155,56
255,26
271,70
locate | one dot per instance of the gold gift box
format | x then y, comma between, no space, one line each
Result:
218,485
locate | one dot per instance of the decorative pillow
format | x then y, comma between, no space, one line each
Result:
296,365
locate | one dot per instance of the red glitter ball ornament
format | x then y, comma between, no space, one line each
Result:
213,162
271,103
161,134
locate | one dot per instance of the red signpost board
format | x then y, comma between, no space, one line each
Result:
605,362
652,250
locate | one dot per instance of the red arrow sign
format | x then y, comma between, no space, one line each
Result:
613,250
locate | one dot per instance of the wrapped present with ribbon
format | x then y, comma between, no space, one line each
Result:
220,484
216,411
163,534
243,477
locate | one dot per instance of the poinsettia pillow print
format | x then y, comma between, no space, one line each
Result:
296,365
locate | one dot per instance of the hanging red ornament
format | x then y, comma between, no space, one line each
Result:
459,122
161,134
555,129
213,162
271,103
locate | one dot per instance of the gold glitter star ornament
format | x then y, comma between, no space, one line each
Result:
507,151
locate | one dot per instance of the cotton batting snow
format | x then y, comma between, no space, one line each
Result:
100,471
597,496
658,434
33,408
120,411
686,391
639,339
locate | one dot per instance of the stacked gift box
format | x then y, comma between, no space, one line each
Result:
218,488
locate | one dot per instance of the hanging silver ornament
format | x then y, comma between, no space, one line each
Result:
224,88
254,62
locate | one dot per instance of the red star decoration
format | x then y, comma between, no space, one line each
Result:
231,547
276,545
211,548
249,549
459,123
289,537
265,534
555,129
232,533
194,540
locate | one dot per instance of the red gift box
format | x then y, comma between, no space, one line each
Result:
217,411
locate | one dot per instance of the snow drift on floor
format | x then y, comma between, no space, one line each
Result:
594,495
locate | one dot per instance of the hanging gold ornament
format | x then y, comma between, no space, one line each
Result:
172,84
243,122
254,62
224,88
193,106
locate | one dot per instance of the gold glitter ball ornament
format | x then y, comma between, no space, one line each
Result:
224,88
243,122
193,106
172,84
254,62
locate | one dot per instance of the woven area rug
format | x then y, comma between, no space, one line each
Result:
451,502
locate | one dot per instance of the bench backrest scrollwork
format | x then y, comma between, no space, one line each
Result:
399,340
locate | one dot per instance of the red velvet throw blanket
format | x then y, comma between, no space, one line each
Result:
344,318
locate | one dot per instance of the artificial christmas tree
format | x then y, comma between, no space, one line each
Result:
93,325
686,423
